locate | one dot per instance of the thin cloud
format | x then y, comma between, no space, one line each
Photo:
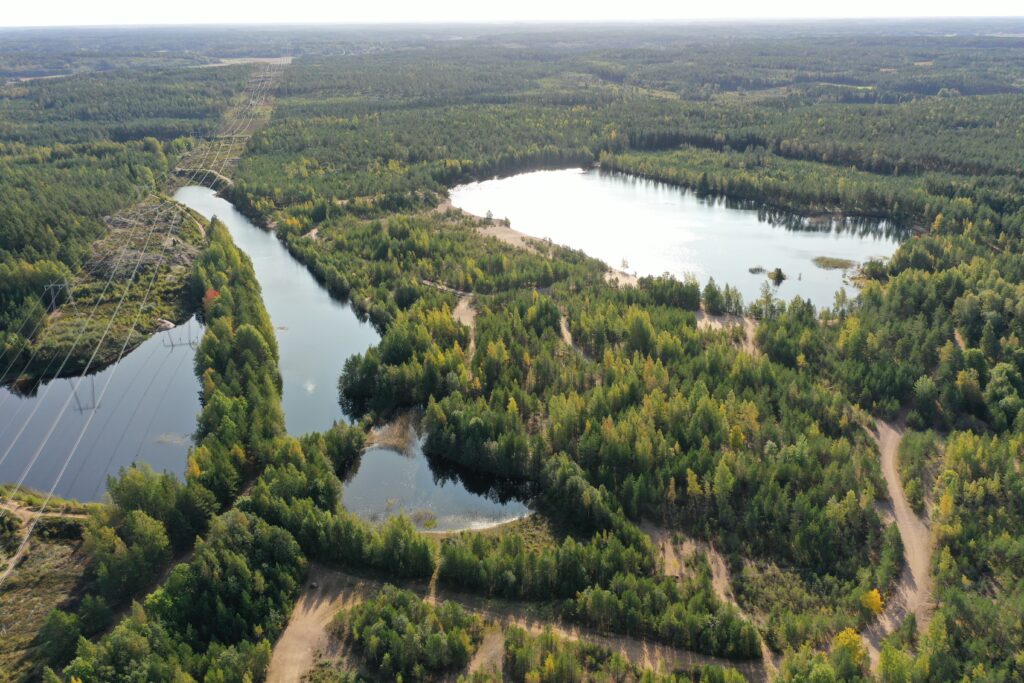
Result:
124,12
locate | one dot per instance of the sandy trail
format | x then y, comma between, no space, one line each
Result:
913,593
27,514
463,312
466,314
489,656
306,637
566,335
297,650
563,327
674,554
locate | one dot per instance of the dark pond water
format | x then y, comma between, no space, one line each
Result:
150,400
147,413
434,497
649,228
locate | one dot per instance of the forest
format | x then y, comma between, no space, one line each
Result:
109,142
642,430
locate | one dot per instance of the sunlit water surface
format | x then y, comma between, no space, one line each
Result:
650,228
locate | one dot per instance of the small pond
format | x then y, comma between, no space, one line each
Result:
649,228
434,496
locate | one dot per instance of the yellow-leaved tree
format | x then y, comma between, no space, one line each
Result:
872,601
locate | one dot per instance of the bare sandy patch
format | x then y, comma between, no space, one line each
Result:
465,314
621,278
307,636
706,322
230,61
506,234
565,332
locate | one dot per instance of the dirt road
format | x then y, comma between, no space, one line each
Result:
27,514
26,517
323,595
913,593
296,652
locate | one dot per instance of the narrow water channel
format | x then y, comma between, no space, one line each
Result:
316,335
149,409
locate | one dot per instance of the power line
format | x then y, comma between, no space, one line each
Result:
252,106
212,150
159,178
207,154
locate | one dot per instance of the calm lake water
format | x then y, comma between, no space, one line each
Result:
657,228
316,335
147,413
151,400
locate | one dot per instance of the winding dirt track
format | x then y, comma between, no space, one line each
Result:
913,593
674,556
463,312
306,638
26,514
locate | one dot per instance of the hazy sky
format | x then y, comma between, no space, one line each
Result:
78,12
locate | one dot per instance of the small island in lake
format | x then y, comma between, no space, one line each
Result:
834,263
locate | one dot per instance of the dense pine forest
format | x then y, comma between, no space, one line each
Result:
709,478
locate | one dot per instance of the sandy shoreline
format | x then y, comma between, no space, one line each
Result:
505,233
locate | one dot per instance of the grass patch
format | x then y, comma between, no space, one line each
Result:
50,576
537,531
833,263
33,500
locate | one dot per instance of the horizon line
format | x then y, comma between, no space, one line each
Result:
646,21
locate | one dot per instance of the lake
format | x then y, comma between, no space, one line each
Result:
151,400
148,413
650,228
